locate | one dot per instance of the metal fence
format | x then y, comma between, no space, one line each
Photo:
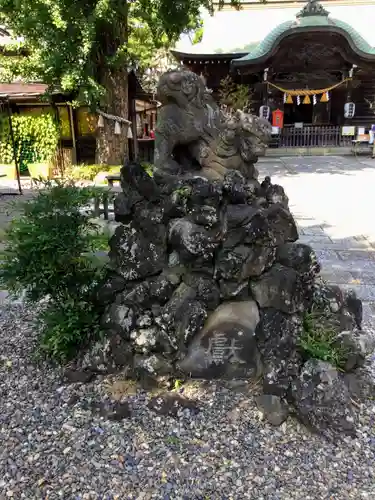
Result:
311,136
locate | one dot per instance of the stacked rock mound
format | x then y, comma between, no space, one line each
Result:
207,281
206,278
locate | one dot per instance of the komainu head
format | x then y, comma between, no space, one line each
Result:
181,87
255,132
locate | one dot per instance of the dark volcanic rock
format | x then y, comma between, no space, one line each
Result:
281,288
206,289
121,351
133,175
322,400
162,287
182,317
234,187
343,306
136,253
226,346
300,257
230,290
282,224
172,404
205,215
123,205
356,346
119,318
273,193
74,376
112,411
243,262
191,239
110,287
274,409
277,339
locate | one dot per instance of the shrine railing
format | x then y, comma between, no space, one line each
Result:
312,136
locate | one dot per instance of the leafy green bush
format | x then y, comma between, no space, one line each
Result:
89,172
45,257
36,138
319,340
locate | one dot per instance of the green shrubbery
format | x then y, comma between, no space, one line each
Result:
89,172
319,339
36,139
46,257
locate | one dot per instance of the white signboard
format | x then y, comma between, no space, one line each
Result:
348,130
298,125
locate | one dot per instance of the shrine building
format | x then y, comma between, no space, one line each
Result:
313,77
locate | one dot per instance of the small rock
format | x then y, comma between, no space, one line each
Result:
172,404
274,409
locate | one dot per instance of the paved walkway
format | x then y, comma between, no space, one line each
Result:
333,201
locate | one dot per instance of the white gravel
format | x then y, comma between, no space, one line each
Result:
53,445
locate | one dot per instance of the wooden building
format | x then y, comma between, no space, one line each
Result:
78,125
313,55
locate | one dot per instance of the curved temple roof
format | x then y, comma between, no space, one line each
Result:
313,17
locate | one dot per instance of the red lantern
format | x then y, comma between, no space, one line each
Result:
278,118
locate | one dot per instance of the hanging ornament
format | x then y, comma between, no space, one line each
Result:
289,99
100,122
284,98
264,112
307,100
314,99
325,97
298,100
117,128
349,110
130,133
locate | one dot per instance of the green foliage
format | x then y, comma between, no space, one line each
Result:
79,45
89,172
45,258
234,96
65,325
36,138
319,340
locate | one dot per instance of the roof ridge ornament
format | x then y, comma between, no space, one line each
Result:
313,8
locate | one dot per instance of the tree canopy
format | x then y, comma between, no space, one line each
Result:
74,44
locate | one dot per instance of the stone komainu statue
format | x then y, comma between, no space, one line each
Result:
193,134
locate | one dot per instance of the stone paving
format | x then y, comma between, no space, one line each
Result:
333,201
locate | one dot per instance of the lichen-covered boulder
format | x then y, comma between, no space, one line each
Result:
243,262
277,337
136,253
280,288
322,400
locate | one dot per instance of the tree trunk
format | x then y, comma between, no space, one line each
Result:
112,149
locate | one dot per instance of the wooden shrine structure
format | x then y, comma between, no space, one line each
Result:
311,70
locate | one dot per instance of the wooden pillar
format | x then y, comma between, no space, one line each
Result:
73,132
134,128
14,146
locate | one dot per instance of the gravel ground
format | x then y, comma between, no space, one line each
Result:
53,445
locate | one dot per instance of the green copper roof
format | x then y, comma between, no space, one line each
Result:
303,23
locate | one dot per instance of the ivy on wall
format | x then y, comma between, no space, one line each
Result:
36,139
